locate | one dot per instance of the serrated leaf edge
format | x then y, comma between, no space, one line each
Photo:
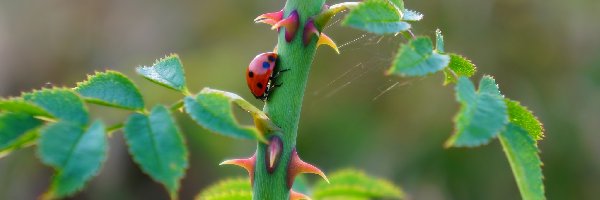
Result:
504,145
21,100
450,142
542,132
172,194
391,70
398,11
53,90
102,102
358,173
211,191
183,89
234,99
50,193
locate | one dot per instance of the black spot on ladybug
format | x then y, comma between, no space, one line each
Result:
271,58
259,85
266,65
250,74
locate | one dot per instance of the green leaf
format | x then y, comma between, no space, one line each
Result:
25,140
411,15
398,3
61,103
522,153
482,114
167,72
17,130
439,41
18,105
458,66
417,58
111,88
228,189
158,147
520,116
407,15
75,153
376,16
212,109
353,184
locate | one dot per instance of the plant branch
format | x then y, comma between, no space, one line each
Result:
115,127
284,105
177,105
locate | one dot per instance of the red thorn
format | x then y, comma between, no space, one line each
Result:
291,25
269,18
298,196
273,153
246,163
297,166
267,21
309,31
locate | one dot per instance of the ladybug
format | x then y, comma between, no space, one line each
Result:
260,75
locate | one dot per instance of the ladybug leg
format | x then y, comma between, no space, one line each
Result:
264,97
279,73
275,77
270,88
272,84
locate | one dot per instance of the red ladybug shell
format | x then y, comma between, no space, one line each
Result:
259,73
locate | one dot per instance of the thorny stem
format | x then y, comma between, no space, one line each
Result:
284,105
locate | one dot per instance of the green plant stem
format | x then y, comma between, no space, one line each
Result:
177,105
285,103
174,108
114,128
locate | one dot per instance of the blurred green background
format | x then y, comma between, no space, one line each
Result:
544,53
